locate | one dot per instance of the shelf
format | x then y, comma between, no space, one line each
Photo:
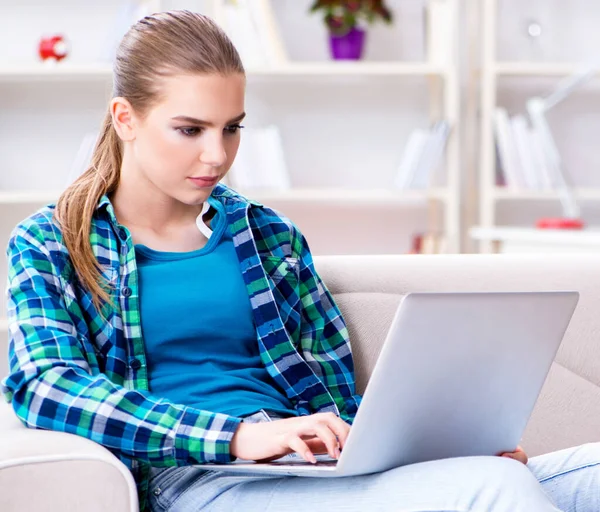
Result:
585,237
537,68
582,194
28,197
349,196
363,68
55,71
103,71
299,195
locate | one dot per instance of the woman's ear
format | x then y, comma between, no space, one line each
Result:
123,118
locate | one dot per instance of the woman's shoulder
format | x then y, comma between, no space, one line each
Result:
37,241
259,209
41,227
275,228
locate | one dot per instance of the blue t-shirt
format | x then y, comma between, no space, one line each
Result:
200,339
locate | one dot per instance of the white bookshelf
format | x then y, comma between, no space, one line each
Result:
493,72
25,197
350,86
581,194
551,69
506,239
82,72
341,196
65,71
296,195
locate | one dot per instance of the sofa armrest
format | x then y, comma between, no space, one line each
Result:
54,471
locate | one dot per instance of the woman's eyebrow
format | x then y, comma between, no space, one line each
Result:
193,120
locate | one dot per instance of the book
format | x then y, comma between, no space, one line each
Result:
422,156
522,155
253,29
410,158
427,243
432,154
507,150
128,13
260,161
540,160
83,158
527,164
268,32
239,26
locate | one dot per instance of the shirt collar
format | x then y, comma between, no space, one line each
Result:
221,192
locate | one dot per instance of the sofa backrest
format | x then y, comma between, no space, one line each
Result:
368,289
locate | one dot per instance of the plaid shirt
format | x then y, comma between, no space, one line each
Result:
78,371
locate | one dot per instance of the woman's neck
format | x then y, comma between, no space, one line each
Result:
138,202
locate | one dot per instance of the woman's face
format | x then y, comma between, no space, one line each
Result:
192,133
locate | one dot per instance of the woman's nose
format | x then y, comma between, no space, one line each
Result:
213,151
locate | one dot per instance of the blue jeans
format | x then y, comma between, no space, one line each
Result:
567,480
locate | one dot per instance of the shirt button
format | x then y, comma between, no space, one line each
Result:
126,291
122,234
135,364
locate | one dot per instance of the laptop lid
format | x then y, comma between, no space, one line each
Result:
458,375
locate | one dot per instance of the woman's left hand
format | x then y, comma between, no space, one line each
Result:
518,454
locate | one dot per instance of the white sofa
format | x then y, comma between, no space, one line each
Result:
52,471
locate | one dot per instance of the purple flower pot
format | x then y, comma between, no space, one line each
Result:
348,46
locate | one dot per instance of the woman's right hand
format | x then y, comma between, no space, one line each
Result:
304,435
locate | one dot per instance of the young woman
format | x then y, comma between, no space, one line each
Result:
172,320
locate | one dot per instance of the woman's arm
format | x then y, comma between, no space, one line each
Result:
51,385
324,340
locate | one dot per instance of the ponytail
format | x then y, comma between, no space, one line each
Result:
77,204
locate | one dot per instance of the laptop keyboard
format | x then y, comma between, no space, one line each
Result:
293,459
302,463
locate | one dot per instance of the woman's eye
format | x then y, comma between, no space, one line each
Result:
189,132
232,129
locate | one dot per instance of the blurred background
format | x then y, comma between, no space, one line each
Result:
402,126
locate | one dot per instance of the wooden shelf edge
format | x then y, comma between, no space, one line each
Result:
516,68
292,195
524,234
28,197
584,194
103,71
325,195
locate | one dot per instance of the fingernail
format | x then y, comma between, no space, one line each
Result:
310,457
337,453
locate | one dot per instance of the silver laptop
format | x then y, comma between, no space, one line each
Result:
458,375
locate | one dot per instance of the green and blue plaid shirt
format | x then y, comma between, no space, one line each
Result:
75,370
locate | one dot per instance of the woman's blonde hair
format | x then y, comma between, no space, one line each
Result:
164,44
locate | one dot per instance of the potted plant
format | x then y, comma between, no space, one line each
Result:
343,19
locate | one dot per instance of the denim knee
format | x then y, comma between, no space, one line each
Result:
503,484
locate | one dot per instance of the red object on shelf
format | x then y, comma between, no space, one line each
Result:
559,223
54,47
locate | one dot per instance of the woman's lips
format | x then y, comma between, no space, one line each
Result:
205,182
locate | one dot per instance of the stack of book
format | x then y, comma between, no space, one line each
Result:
128,12
260,162
422,156
252,27
83,158
250,24
522,160
428,243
